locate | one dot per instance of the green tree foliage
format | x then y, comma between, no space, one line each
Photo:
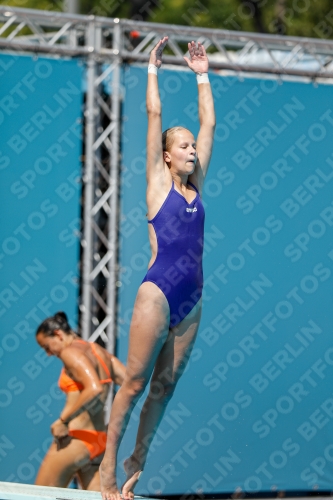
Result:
306,18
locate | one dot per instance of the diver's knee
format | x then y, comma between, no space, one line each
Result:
162,392
134,387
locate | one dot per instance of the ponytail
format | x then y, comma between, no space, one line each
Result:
57,322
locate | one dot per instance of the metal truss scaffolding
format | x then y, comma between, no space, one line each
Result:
105,44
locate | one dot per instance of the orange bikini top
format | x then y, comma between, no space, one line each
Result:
67,384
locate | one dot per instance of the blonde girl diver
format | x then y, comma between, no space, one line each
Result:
167,309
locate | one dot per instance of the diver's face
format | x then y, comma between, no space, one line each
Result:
182,156
52,345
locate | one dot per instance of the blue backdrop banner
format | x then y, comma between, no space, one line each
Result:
41,144
254,410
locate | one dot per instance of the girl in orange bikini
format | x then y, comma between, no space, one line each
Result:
79,432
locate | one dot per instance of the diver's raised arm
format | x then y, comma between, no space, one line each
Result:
199,64
155,162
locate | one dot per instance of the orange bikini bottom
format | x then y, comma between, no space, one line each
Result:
95,441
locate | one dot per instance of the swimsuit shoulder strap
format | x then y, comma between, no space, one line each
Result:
81,341
151,221
102,362
190,183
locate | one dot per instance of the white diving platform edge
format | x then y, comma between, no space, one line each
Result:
19,491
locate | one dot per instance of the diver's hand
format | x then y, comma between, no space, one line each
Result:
156,53
59,429
198,61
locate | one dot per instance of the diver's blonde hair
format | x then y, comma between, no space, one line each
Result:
168,137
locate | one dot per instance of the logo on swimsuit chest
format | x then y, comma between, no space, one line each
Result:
192,209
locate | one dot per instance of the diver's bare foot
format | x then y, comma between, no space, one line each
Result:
133,472
109,490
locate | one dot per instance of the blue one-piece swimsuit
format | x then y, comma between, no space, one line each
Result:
177,269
